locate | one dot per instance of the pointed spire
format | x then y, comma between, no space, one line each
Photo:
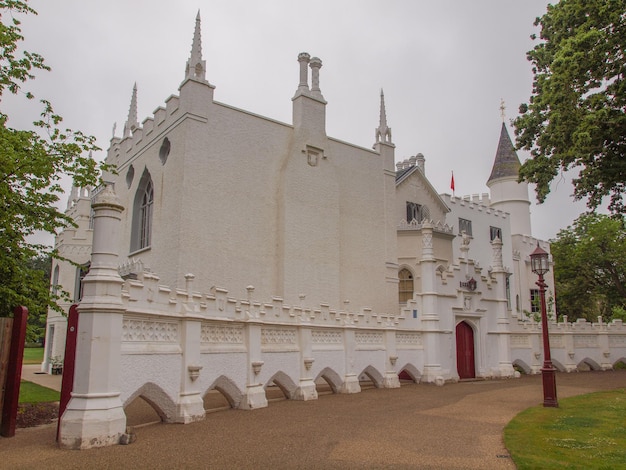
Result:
506,163
196,67
132,123
383,132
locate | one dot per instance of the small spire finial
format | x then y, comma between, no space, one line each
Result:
196,67
131,122
383,132
502,108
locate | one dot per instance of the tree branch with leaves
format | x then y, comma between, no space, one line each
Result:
576,115
32,163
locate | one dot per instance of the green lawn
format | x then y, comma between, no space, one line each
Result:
585,432
33,393
33,355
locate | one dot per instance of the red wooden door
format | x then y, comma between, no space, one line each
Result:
465,351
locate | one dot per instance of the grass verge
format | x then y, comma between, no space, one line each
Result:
585,432
33,393
33,356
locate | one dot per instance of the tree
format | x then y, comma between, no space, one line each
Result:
590,267
32,163
576,117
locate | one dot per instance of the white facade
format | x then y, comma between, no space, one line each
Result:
256,252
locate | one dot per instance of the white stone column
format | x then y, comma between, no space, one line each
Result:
254,396
190,406
95,416
306,389
391,379
604,346
350,379
432,336
505,366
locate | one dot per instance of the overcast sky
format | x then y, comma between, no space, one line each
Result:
444,67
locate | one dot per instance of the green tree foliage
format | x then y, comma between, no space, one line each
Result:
32,163
576,117
38,287
590,267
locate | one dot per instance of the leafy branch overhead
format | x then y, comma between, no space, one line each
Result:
576,115
32,163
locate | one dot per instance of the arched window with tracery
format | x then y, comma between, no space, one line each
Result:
405,286
141,235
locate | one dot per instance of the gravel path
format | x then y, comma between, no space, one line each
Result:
457,426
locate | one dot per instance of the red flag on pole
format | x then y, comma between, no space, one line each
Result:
452,183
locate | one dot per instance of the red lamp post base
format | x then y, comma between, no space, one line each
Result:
549,386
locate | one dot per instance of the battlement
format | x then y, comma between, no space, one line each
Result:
145,295
531,242
151,129
438,226
478,202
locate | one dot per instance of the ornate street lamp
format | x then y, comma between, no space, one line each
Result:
540,265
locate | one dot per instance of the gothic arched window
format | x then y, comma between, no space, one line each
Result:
405,287
141,235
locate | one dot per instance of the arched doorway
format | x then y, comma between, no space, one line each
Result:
465,351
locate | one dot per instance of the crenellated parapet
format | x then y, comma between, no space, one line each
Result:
477,202
146,295
151,129
438,226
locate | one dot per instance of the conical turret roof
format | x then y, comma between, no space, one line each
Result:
506,163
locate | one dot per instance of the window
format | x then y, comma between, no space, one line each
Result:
406,285
164,151
141,236
55,280
465,226
413,212
535,302
81,272
495,232
508,291
130,176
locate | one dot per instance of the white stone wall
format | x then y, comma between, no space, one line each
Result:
73,243
240,202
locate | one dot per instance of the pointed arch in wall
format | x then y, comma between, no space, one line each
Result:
406,285
331,377
55,280
518,363
465,350
375,376
620,363
143,208
157,399
593,365
284,382
410,372
228,388
558,366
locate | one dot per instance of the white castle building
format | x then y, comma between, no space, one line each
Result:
231,251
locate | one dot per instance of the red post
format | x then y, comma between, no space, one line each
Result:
14,374
548,370
67,383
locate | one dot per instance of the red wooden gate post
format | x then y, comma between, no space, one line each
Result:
14,374
69,359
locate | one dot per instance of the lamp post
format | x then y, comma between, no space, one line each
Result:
540,265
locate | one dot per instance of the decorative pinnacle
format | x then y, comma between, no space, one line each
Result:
196,67
383,111
131,122
502,108
383,132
